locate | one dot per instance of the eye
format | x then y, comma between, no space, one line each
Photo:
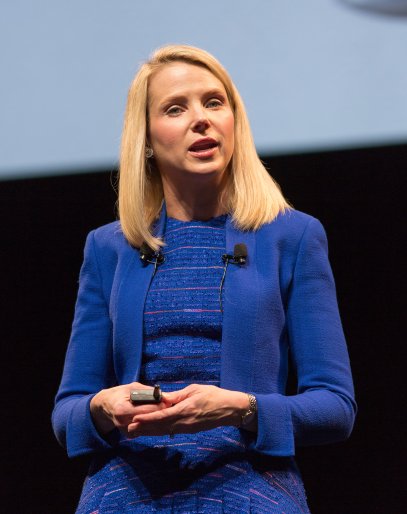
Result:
213,103
174,110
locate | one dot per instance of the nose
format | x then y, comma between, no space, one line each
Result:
201,125
201,121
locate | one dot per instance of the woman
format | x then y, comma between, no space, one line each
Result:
204,286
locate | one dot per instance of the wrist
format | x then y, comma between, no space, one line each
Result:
102,422
249,417
244,411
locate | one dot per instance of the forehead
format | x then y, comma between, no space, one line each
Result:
180,78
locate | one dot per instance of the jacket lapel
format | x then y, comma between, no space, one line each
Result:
131,296
240,313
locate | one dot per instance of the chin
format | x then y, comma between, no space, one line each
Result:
211,172
207,168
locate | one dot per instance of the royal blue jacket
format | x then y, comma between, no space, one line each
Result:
283,300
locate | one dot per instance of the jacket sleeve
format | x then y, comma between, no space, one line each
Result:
323,410
88,363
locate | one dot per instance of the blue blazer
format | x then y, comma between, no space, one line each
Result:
283,300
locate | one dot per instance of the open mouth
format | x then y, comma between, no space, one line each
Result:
203,145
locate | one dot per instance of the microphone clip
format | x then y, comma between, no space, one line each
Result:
233,259
156,258
149,256
239,256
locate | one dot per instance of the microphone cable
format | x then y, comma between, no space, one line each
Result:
239,258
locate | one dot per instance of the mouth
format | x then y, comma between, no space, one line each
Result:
204,147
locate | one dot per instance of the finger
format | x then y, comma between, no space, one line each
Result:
158,416
147,429
124,430
167,400
133,426
132,431
147,408
176,396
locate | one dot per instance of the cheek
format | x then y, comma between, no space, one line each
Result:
228,124
161,134
229,130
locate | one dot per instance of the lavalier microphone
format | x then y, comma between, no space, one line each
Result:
239,257
240,253
150,256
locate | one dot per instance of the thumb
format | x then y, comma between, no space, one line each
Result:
174,397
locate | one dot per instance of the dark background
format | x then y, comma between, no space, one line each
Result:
359,195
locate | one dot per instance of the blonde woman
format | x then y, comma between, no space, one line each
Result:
205,284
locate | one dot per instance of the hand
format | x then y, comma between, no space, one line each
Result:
112,408
193,409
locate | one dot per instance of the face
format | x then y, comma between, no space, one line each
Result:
191,124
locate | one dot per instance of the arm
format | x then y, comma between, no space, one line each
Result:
90,409
88,364
323,411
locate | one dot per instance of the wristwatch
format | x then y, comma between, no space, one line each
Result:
249,415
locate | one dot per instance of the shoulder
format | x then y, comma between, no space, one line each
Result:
107,237
107,244
294,242
290,235
291,227
107,232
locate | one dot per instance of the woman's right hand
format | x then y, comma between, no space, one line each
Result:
112,408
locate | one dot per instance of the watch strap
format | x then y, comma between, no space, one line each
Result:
248,416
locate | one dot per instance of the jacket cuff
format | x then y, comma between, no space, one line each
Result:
275,434
81,434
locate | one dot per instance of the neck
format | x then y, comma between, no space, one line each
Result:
194,200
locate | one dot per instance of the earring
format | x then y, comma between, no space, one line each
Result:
149,152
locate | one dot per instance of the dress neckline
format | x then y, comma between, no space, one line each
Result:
215,219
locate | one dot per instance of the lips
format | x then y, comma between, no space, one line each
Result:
203,144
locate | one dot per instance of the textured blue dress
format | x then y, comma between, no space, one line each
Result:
208,472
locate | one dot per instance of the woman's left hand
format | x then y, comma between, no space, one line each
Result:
195,408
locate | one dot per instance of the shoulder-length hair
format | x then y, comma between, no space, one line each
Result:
252,197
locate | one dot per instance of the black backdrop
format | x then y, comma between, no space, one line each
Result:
359,195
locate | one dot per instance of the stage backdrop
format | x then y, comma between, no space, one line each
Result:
314,75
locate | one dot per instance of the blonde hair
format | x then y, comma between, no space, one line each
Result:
253,198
